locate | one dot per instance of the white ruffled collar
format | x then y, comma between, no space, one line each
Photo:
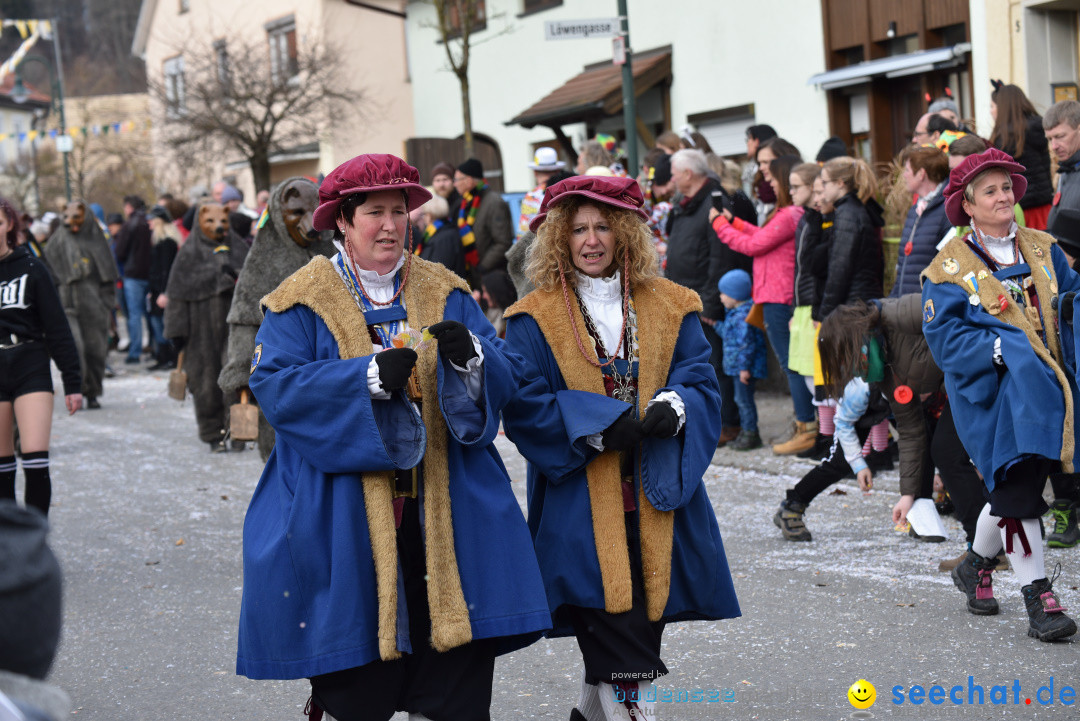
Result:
601,290
371,278
998,242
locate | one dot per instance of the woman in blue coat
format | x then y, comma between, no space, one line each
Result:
618,415
990,317
385,555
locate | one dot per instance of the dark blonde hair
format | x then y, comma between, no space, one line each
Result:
840,340
550,253
856,175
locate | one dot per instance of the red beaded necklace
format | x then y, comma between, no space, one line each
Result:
356,272
625,313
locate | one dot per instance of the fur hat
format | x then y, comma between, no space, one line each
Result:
30,593
472,168
736,284
621,193
971,166
368,173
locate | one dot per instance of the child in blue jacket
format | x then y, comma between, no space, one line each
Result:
744,354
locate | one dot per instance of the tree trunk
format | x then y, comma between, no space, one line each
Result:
260,169
466,111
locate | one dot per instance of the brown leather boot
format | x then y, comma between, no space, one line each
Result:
804,439
728,434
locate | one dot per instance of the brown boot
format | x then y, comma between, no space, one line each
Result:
728,434
804,438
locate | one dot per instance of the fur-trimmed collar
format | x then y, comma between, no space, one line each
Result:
661,307
319,287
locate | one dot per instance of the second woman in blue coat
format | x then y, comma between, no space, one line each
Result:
625,534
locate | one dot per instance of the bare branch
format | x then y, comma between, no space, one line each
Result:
250,107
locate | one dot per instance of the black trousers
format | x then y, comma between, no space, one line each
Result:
961,480
620,646
450,686
833,469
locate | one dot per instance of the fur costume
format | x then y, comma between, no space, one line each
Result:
274,256
200,291
85,271
320,525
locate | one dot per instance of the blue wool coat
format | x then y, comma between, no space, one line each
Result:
1000,415
550,424
309,604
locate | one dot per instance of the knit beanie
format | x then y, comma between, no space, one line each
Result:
230,193
30,591
472,168
736,284
833,148
442,169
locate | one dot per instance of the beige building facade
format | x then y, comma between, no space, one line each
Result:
369,36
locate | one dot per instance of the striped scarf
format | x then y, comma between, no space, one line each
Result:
432,228
470,205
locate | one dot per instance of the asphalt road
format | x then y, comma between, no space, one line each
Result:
147,526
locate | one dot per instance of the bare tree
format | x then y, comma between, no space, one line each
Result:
456,21
233,93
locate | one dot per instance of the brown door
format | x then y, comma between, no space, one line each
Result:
425,153
908,104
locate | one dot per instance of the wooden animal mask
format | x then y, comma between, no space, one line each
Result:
298,202
214,221
74,216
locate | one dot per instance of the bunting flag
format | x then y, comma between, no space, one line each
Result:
119,128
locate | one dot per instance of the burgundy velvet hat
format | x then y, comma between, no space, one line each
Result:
369,173
621,193
964,173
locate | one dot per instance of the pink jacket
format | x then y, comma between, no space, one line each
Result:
771,247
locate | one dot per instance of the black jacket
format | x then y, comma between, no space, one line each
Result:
133,247
856,262
1036,160
445,247
162,255
808,237
696,258
30,309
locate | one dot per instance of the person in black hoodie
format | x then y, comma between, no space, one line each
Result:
1018,130
33,329
856,268
133,255
697,259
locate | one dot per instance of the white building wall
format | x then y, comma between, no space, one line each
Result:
721,57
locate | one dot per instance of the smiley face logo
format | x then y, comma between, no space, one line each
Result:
862,694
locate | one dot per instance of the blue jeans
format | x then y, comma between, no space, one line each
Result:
157,327
777,317
744,399
135,291
729,412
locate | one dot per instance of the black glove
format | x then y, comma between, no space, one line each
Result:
623,434
661,421
395,365
1063,304
230,271
455,342
178,343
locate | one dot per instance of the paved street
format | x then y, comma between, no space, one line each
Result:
147,525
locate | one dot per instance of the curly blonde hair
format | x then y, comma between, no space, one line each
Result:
551,250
